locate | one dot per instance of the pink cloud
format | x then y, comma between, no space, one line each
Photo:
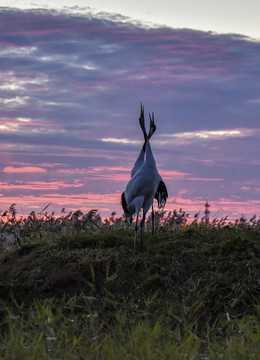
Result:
110,177
113,173
112,168
246,204
24,169
182,200
51,164
71,171
205,179
168,174
236,208
85,198
38,185
83,201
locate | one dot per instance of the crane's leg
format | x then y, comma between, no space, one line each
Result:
152,220
142,230
138,206
141,236
136,228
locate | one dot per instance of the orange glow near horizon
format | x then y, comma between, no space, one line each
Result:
108,203
63,190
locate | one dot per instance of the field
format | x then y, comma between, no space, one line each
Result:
71,288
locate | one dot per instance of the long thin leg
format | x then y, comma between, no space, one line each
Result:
142,230
141,236
136,228
152,220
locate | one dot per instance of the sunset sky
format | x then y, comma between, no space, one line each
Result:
73,79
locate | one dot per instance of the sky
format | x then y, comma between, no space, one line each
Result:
73,79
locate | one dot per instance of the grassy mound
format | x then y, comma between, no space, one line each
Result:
193,293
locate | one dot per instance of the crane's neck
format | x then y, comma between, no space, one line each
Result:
139,163
149,154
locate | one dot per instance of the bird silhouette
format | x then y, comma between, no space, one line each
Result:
161,194
143,185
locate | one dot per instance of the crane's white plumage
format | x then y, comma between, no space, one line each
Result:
143,185
161,194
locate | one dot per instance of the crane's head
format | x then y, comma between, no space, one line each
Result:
152,126
141,122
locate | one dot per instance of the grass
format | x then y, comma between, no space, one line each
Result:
79,292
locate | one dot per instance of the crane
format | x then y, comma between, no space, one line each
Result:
161,194
141,189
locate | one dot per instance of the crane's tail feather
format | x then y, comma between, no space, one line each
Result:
161,194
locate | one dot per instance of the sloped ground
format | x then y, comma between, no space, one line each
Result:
193,293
